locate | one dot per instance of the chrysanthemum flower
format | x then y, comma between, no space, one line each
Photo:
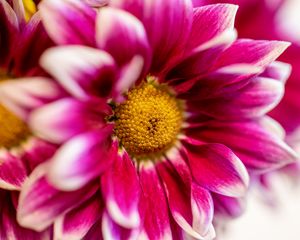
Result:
20,150
152,114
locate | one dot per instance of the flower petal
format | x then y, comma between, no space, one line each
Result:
228,206
258,53
51,123
82,159
210,21
76,223
254,100
112,230
81,70
26,94
193,215
263,151
113,25
9,27
12,171
156,220
167,24
59,20
40,204
121,190
217,168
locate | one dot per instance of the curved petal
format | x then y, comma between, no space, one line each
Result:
228,206
254,100
26,94
53,124
121,190
217,168
82,159
76,223
113,25
12,171
210,21
82,71
112,230
59,20
167,24
40,204
192,214
9,27
256,52
156,220
264,151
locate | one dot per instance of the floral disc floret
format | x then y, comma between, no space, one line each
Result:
149,121
12,129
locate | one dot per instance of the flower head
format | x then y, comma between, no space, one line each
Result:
158,94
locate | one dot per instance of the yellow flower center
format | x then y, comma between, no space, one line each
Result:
30,9
12,129
149,121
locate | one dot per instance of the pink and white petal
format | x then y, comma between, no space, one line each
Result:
40,204
9,227
82,159
228,206
69,21
264,151
184,209
26,94
256,52
112,230
167,24
219,18
278,71
51,122
156,220
121,191
31,43
115,24
13,172
254,100
82,71
193,66
217,168
77,223
95,231
9,27
37,151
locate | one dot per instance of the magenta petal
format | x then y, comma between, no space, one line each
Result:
228,206
254,100
53,124
156,219
112,230
69,22
82,71
9,227
95,232
26,94
76,223
121,190
194,215
82,159
218,169
258,53
40,204
12,171
263,151
167,24
8,31
122,25
278,70
210,21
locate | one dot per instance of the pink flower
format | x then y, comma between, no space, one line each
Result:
20,150
157,101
